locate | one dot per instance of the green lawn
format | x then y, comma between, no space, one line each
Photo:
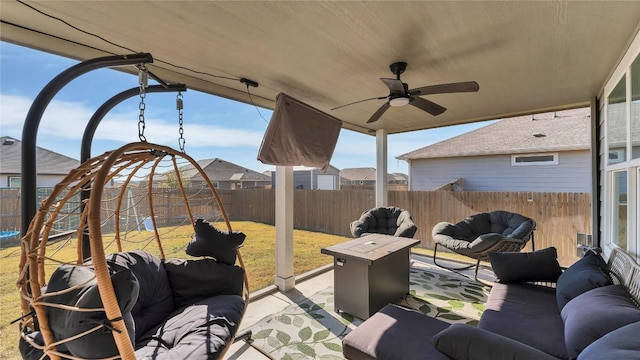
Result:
258,253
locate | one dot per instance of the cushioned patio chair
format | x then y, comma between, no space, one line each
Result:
479,234
388,220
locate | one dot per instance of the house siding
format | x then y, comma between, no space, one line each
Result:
571,174
41,180
302,179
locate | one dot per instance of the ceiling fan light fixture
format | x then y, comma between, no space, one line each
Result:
399,101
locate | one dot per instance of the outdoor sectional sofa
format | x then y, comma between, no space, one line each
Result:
591,313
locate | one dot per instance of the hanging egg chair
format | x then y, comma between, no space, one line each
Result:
127,296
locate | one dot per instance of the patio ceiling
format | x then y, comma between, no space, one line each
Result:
528,57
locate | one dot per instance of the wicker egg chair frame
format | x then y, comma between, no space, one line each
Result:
92,176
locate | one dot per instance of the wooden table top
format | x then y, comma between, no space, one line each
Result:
370,247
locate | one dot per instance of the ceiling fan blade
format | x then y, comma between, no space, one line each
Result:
426,105
359,101
467,86
378,113
394,85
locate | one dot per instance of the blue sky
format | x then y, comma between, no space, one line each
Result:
213,126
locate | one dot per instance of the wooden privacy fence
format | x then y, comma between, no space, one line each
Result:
559,216
169,207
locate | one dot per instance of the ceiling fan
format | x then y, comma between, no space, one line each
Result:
400,95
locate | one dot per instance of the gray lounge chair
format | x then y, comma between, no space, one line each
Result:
479,234
388,220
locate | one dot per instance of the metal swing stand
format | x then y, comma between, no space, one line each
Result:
29,163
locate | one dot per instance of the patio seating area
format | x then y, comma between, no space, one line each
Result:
514,58
265,303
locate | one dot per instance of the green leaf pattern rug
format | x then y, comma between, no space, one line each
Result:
312,329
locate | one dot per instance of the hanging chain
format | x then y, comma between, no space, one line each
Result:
179,106
143,79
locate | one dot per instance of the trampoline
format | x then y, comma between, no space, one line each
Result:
4,235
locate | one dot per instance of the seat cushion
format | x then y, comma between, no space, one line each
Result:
590,272
406,227
517,311
155,301
619,344
510,224
595,313
465,342
394,333
193,280
197,331
469,228
68,323
471,247
389,220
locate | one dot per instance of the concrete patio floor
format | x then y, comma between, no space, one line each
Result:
271,302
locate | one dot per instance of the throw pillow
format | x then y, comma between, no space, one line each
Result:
465,342
193,280
539,265
587,273
595,313
210,241
619,344
67,323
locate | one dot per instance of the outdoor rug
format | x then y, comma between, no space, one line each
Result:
312,329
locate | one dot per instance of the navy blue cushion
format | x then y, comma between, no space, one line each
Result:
622,343
526,313
469,228
29,352
394,333
388,220
210,241
510,224
155,301
539,265
193,280
587,273
595,313
465,342
198,331
66,323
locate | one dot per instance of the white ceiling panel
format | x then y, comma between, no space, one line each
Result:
527,57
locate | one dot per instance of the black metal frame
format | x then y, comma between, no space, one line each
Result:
530,237
92,125
32,121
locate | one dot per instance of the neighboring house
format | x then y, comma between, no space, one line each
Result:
313,178
358,176
398,179
366,178
51,167
225,175
547,152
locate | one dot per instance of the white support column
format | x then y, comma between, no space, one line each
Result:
381,167
284,280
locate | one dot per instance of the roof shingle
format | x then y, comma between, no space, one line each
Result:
556,131
47,161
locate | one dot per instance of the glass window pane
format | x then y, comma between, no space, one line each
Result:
619,213
541,158
617,123
15,182
635,109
